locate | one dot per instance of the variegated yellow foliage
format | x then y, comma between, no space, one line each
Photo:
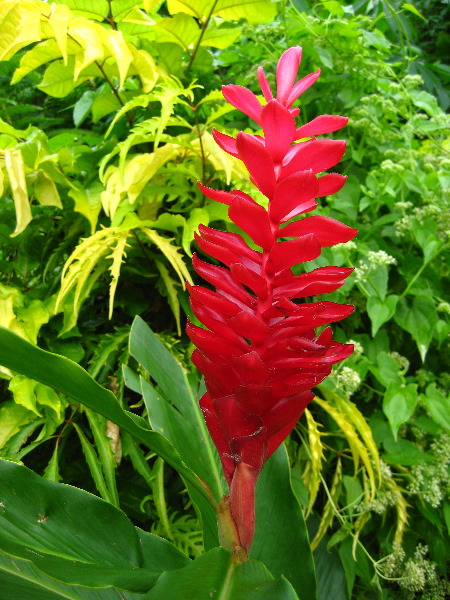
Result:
330,509
312,473
74,47
91,259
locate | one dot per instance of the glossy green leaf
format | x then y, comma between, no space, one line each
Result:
69,378
399,403
281,539
170,376
75,537
438,405
419,319
20,579
214,576
380,311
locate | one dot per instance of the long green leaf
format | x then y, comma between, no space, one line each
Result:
20,579
69,378
75,537
281,539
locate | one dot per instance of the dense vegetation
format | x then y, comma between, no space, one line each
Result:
106,116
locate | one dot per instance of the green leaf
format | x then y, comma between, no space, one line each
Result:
21,579
399,403
181,29
412,9
380,311
40,521
280,527
215,576
438,405
425,101
83,106
418,319
72,380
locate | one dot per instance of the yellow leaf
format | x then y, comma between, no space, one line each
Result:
317,456
23,390
181,30
45,190
171,252
220,160
88,202
12,418
254,11
357,448
119,50
144,66
117,254
44,52
330,509
16,173
59,22
59,79
7,314
87,34
20,23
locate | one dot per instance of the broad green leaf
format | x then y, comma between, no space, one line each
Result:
399,403
181,29
331,577
219,37
280,528
41,54
59,79
253,11
425,101
72,380
386,370
215,575
380,311
83,107
419,319
21,579
438,405
101,549
16,173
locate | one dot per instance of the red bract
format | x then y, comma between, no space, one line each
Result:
260,353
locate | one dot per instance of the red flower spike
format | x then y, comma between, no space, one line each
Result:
258,349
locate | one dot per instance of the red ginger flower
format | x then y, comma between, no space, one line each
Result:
260,354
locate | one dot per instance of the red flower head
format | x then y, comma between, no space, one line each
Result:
260,353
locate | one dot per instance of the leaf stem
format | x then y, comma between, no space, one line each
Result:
200,37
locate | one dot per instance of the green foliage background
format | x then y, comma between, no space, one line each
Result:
106,116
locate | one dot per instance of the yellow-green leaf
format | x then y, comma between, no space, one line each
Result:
181,29
253,11
171,252
59,22
317,456
16,173
45,190
12,417
117,255
20,25
88,201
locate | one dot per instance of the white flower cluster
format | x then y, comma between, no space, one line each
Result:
417,575
402,361
380,257
349,380
432,480
357,348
